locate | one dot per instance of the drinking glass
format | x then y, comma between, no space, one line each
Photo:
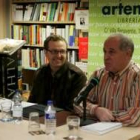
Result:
73,123
6,111
34,123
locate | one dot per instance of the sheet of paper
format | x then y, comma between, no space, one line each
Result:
24,103
102,127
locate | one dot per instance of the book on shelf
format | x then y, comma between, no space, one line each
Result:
36,14
10,46
17,12
67,33
55,11
72,12
101,128
52,11
43,11
25,58
65,12
25,33
72,56
17,32
83,47
36,34
71,35
33,58
33,11
28,12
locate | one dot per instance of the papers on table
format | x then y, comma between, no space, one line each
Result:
27,104
102,127
30,107
24,103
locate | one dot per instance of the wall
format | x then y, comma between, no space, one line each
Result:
2,19
5,20
104,21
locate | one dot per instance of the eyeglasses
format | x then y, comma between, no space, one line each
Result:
55,52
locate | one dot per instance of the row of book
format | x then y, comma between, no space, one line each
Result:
72,56
55,11
36,34
35,57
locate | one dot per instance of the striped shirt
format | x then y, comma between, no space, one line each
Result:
119,93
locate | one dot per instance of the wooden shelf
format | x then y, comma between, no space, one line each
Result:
43,22
38,46
42,1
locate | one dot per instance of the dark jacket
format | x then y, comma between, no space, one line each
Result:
61,88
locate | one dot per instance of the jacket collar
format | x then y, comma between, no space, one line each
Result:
61,71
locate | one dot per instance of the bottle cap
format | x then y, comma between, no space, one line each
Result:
49,102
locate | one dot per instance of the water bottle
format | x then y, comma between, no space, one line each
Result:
17,107
50,118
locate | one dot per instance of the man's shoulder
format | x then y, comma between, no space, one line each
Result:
99,72
42,69
74,68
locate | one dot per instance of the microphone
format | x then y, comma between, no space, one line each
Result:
86,90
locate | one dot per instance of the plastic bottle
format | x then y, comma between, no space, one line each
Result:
50,118
17,107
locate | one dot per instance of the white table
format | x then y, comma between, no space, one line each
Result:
11,131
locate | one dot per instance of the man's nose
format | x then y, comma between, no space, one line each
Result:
58,53
106,56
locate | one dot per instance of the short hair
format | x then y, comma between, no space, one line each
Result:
125,42
53,38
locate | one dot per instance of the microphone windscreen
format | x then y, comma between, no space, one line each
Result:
94,80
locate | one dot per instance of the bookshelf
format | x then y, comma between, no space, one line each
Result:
34,20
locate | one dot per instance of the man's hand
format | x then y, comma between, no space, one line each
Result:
104,114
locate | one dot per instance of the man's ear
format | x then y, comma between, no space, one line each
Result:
129,52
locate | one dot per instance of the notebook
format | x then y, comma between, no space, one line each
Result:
102,127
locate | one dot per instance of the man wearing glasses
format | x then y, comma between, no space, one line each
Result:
58,80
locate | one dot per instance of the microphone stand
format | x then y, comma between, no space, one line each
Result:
84,109
84,120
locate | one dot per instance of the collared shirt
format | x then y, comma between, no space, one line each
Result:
119,93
